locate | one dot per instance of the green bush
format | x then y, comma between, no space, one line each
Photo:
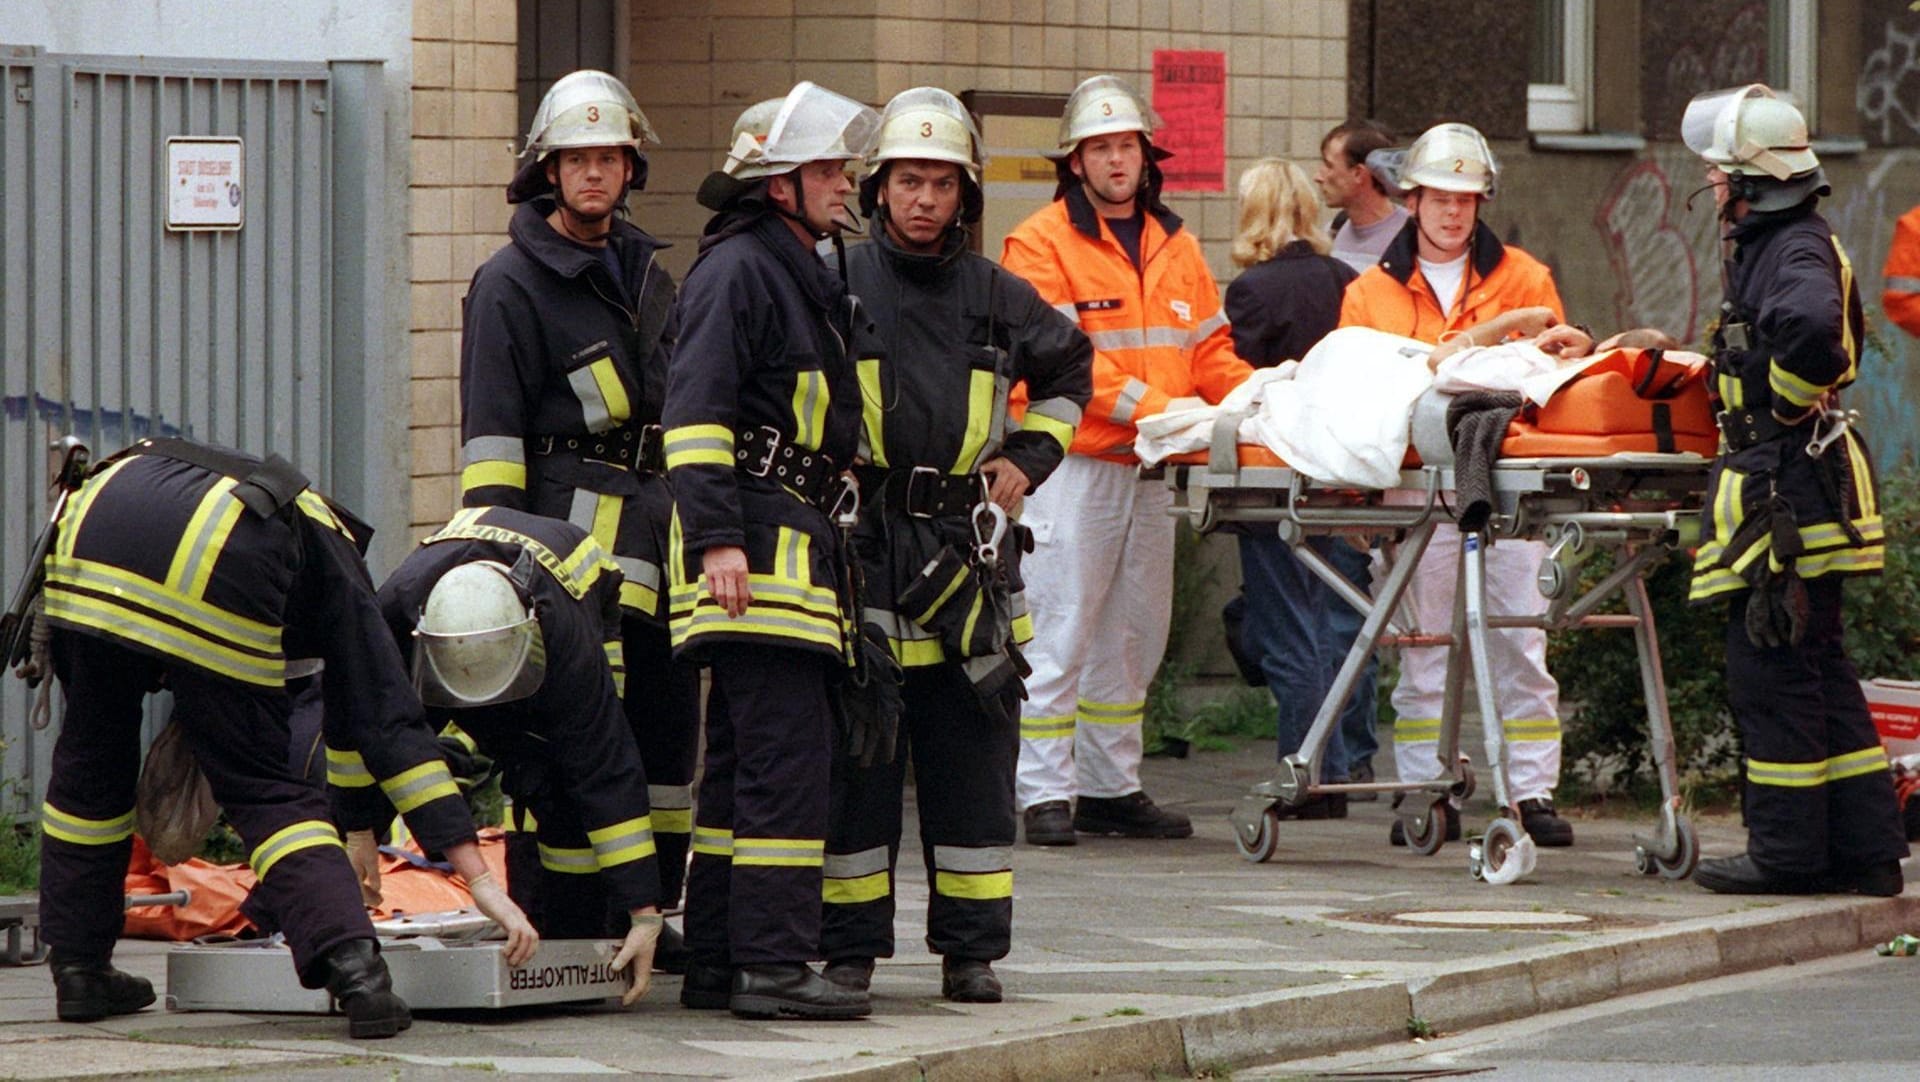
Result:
1606,735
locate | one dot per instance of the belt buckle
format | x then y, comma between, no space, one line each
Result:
649,448
913,477
761,468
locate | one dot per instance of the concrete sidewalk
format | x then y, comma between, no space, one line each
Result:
1130,959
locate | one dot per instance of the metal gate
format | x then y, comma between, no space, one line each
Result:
113,327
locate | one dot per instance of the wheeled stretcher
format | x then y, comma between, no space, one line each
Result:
1639,505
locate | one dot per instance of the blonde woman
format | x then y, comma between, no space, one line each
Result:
1294,628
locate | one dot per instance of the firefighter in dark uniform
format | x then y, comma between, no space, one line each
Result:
955,334
562,372
1793,512
762,416
512,624
203,571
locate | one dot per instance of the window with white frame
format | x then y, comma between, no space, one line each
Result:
1560,80
1792,44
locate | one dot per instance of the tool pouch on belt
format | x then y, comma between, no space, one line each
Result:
957,601
1777,605
173,807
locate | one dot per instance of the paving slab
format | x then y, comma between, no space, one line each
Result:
1130,959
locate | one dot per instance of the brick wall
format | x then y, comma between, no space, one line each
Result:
463,122
697,63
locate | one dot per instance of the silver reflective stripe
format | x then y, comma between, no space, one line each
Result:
568,860
1063,410
1136,338
1069,311
593,404
749,850
581,511
714,841
1902,284
493,449
639,572
1207,326
1129,401
401,795
979,668
855,865
1018,607
895,626
972,860
669,797
606,848
213,508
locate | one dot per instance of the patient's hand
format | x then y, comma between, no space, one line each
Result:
1564,341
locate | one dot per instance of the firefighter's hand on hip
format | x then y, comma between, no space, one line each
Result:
725,569
1007,484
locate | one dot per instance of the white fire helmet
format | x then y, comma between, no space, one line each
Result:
1749,131
1104,105
928,124
1451,158
478,639
587,109
812,124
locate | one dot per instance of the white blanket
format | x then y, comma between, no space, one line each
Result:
1343,418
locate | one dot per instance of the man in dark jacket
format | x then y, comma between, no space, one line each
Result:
1793,511
562,373
762,416
955,334
512,624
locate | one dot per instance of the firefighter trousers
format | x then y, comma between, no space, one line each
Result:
963,763
240,737
1819,797
1100,587
1527,696
663,707
759,833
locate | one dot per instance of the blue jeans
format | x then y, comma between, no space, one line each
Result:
1301,632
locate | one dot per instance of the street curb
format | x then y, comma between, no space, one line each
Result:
1314,1021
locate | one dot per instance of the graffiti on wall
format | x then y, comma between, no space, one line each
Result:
1737,53
1654,261
1888,92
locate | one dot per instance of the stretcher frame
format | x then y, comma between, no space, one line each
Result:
1639,506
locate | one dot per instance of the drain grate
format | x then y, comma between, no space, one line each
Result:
1516,920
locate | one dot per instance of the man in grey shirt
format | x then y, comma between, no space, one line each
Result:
1369,219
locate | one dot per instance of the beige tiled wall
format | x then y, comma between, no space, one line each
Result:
463,121
697,63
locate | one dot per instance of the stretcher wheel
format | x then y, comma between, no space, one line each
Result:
1682,865
1463,789
1428,842
1492,851
1266,839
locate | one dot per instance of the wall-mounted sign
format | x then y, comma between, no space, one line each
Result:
1190,94
205,183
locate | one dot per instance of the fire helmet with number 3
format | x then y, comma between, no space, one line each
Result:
585,109
1451,158
1107,105
1760,141
478,639
927,124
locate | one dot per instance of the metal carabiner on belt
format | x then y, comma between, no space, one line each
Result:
989,529
1829,428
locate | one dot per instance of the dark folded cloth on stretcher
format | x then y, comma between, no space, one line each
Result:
1476,423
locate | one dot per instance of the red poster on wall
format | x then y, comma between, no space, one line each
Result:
1190,94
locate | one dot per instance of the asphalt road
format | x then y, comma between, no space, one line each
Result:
1853,1017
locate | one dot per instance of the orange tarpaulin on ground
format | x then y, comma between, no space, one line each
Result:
218,890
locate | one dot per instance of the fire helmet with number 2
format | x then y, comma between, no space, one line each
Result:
927,124
1451,158
585,109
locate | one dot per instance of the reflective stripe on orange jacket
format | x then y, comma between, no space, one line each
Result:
1395,297
1902,298
1158,332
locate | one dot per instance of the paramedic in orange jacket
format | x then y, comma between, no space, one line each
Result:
1110,256
1446,251
1902,297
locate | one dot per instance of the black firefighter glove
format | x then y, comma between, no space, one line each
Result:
1777,605
867,699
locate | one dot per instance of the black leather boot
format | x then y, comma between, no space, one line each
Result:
854,973
1740,875
969,980
89,989
358,980
671,954
792,988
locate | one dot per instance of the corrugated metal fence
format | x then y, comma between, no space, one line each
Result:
112,327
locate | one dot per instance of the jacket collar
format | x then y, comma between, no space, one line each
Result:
1402,255
1757,223
822,286
915,264
541,242
1084,218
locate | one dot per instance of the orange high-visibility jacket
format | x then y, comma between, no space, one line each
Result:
1158,332
1393,296
1902,297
